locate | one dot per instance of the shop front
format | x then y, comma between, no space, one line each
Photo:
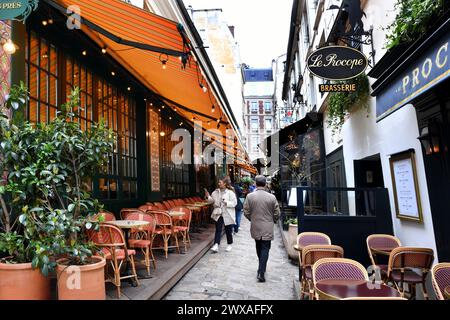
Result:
418,75
137,72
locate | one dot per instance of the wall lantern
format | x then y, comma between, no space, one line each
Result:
429,138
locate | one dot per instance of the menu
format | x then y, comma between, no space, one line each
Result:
405,188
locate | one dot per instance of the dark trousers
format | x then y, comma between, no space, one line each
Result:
228,231
262,250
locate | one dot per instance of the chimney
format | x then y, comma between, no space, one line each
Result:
231,30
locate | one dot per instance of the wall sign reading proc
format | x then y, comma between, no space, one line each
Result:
337,63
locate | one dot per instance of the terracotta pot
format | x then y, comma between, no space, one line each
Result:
21,282
81,282
292,239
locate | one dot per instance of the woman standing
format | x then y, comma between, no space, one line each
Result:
224,200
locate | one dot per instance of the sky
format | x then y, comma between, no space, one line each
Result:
261,26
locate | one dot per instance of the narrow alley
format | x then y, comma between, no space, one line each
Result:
232,275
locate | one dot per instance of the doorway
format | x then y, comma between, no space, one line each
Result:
337,201
368,174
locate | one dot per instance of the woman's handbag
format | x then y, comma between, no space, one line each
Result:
215,215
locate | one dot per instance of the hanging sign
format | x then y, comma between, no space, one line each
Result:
17,9
337,63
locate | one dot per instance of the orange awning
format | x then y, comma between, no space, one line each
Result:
179,87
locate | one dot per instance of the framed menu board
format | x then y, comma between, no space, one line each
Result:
405,186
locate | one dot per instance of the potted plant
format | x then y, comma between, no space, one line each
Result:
292,238
19,276
49,168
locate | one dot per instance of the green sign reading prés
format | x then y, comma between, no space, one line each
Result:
17,9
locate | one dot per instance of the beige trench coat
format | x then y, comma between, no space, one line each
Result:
263,211
227,210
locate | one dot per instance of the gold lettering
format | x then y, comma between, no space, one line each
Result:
440,64
427,73
415,81
317,61
405,83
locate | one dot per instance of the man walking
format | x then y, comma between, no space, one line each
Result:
263,211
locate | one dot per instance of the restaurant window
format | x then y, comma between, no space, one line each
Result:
118,111
174,177
78,75
42,70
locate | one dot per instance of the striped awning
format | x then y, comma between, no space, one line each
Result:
144,43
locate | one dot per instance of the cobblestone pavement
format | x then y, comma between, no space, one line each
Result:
232,275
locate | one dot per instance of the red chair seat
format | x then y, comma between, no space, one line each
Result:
410,276
161,231
120,254
139,243
180,228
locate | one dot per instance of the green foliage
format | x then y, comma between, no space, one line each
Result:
291,221
246,182
49,169
341,104
413,20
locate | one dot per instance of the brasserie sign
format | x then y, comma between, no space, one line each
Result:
17,9
337,63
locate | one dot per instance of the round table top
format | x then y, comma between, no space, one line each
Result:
340,289
176,213
447,292
128,224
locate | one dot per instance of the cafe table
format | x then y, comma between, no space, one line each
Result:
447,292
126,226
336,289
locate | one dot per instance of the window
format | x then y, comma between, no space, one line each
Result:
42,71
254,105
254,144
254,125
268,107
118,179
268,125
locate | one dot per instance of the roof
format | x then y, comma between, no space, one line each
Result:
258,75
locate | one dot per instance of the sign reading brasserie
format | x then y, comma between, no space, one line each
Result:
17,9
337,63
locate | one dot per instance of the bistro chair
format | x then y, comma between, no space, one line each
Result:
182,225
338,268
308,238
310,255
107,216
142,238
113,248
147,207
377,244
165,229
160,206
166,205
125,211
440,276
402,266
171,204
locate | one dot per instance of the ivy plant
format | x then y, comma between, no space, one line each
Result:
341,104
47,183
414,18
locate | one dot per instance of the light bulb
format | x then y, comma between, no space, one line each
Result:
44,23
9,47
84,52
162,133
103,50
205,89
113,73
164,65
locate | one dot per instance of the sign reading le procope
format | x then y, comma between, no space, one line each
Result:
337,63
